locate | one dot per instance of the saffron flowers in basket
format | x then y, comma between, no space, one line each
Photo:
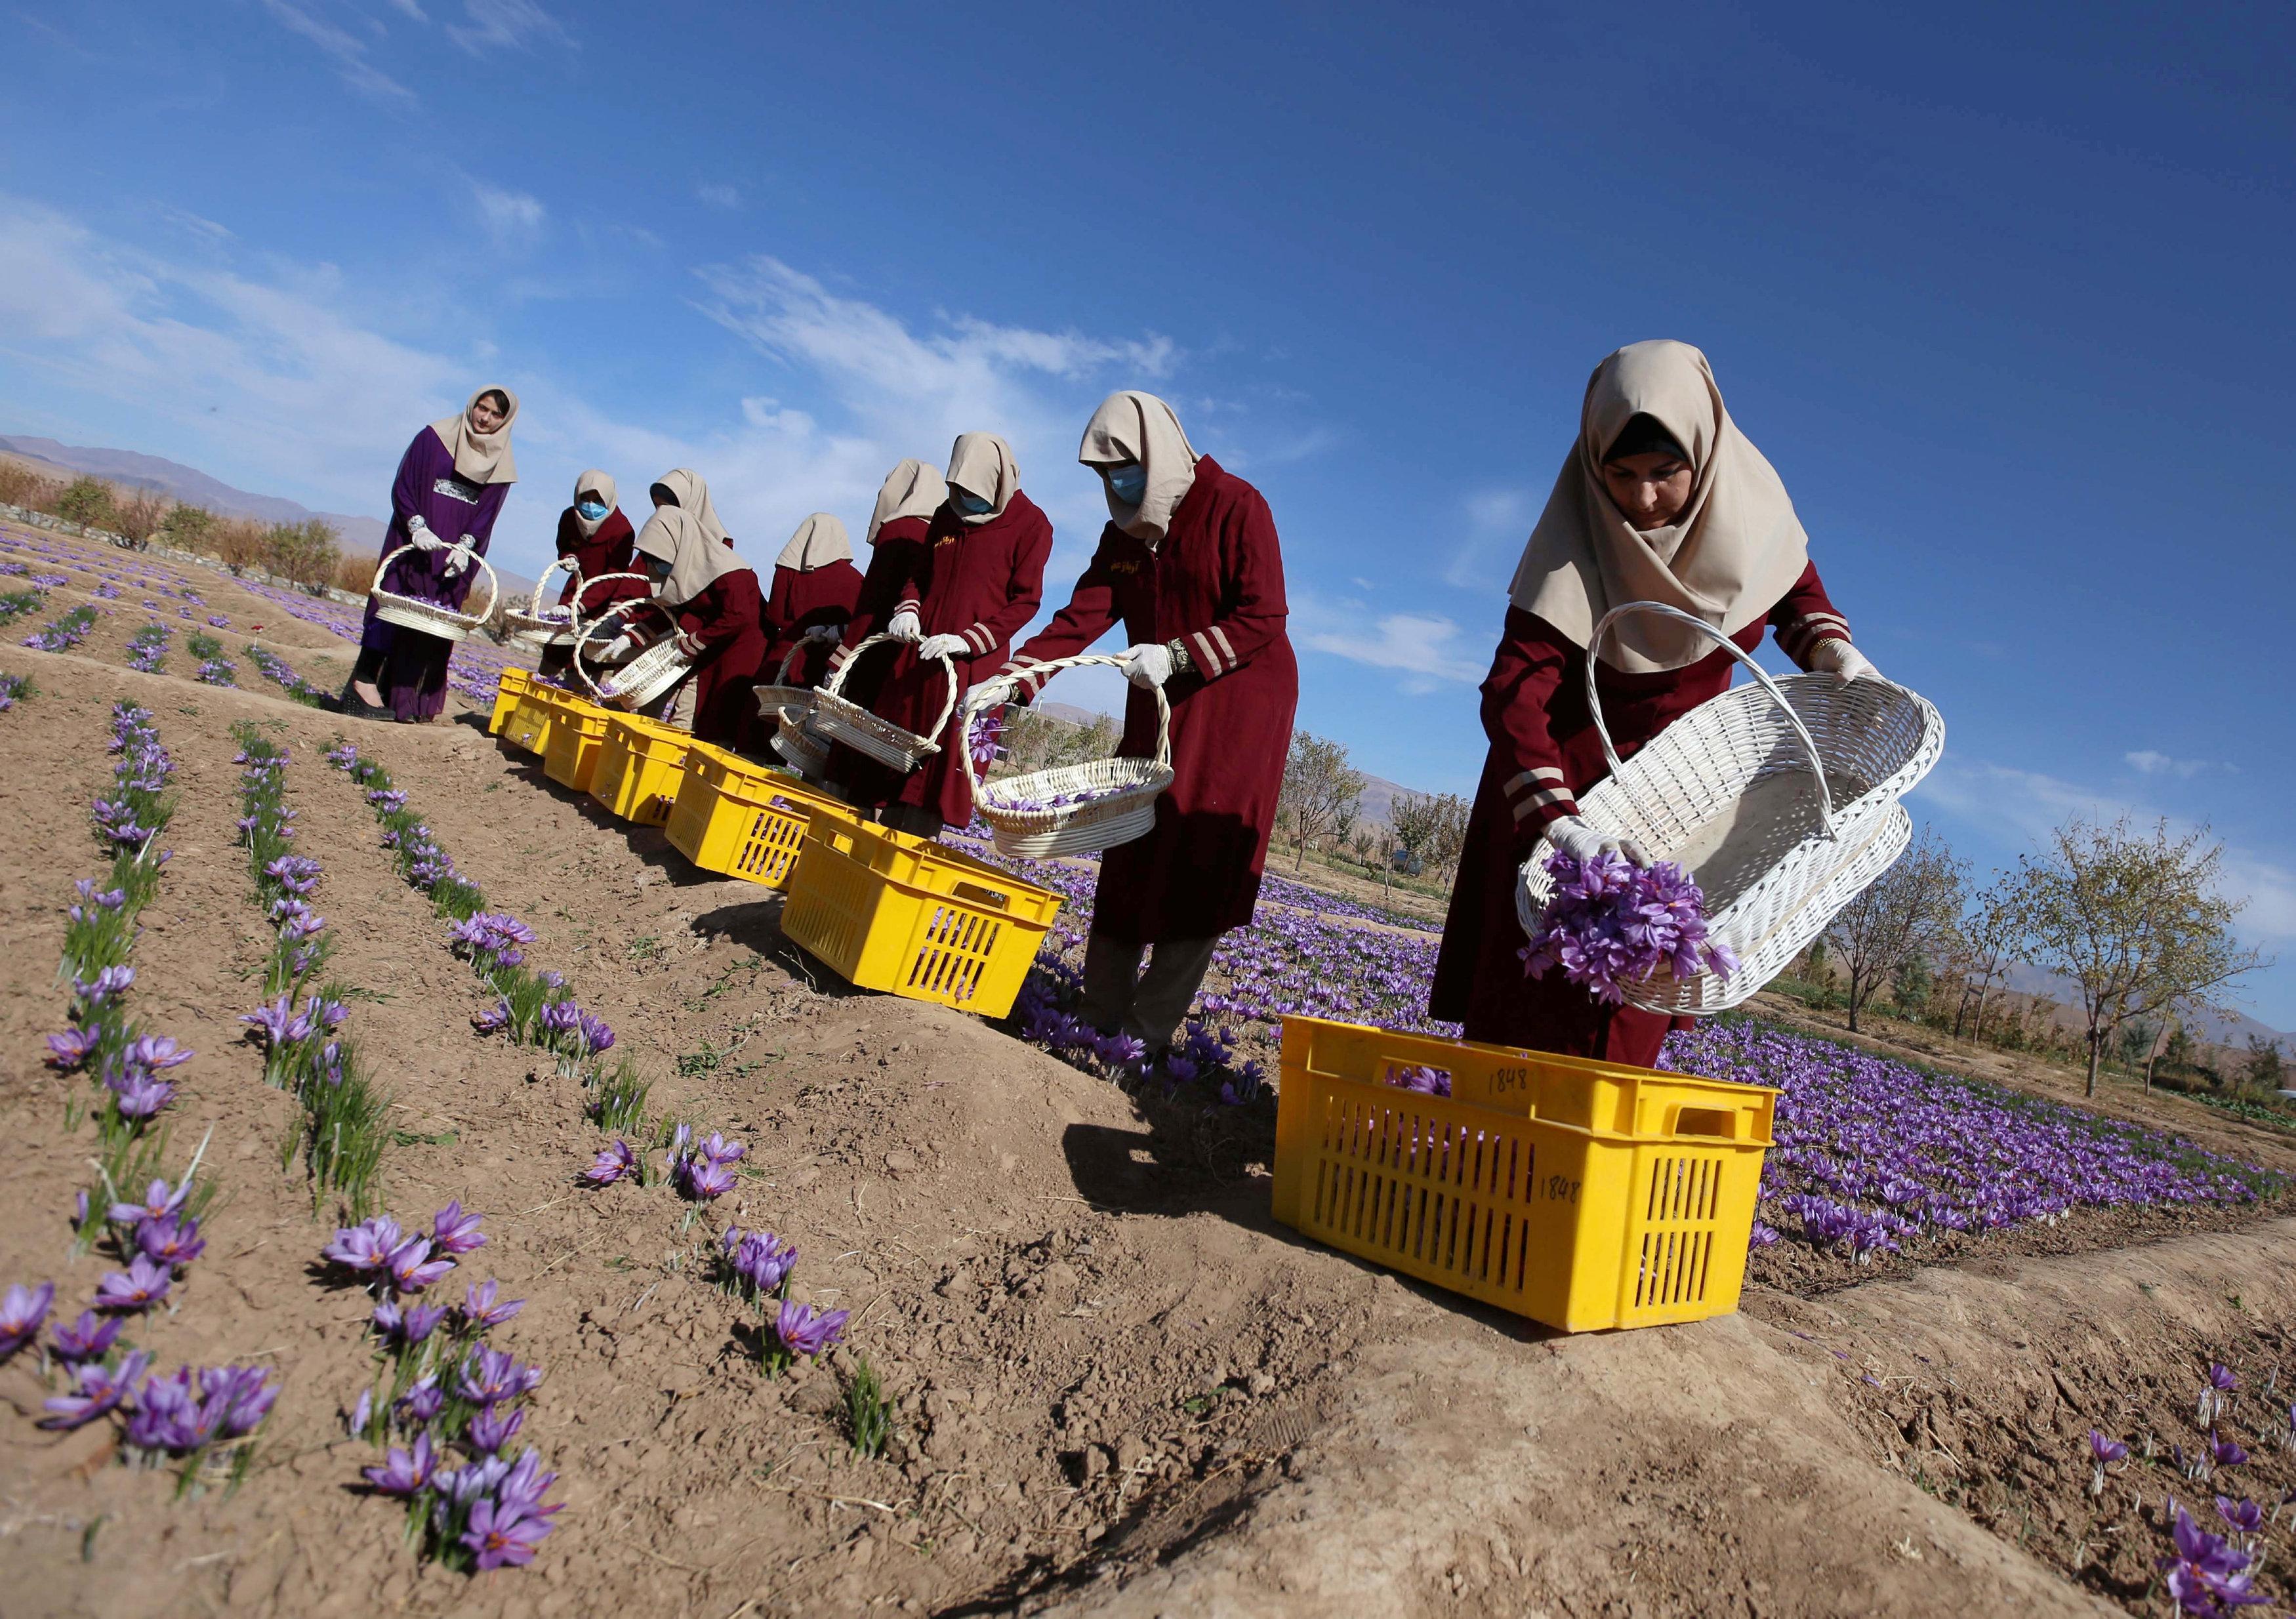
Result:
1612,923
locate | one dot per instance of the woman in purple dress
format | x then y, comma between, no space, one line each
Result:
449,490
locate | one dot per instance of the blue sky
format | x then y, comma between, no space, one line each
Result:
2002,292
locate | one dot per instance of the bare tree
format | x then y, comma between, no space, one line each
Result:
1986,943
139,515
2135,922
1319,785
1908,910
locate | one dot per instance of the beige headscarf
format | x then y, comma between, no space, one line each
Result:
981,465
693,496
602,485
819,540
697,558
480,457
911,489
1736,548
1134,426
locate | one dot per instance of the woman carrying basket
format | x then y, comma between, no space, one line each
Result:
595,537
719,614
1661,498
977,581
450,487
815,586
1190,566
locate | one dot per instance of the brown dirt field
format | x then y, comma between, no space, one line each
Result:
1121,1389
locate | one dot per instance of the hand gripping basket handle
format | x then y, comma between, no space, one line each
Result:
582,636
1602,732
999,690
837,681
574,576
494,585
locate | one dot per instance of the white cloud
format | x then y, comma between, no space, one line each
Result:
1423,649
347,51
2147,762
1496,520
410,9
506,24
724,198
513,219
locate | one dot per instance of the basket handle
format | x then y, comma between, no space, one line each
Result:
1602,732
582,585
494,585
781,675
837,681
583,633
999,689
573,571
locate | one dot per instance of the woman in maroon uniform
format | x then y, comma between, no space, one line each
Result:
977,580
1190,566
594,532
815,585
720,616
911,493
1661,499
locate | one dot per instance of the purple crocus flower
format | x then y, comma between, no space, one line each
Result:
2225,1453
2244,1516
804,1332
95,1390
2206,1576
596,1036
89,1338
423,1402
281,1024
160,1201
137,1094
23,1314
704,1179
455,1232
615,1162
173,1240
169,1417
104,985
493,1019
490,1377
156,1052
404,1473
73,1047
480,1309
237,1398
410,1267
495,1426
365,1247
759,1257
524,1485
501,1537
140,1286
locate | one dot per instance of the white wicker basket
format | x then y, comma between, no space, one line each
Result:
535,625
1779,798
839,720
643,677
794,740
431,618
775,694
1122,805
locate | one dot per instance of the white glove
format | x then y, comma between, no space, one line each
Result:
1836,657
1575,838
831,633
1147,665
988,693
617,649
419,536
458,559
933,648
693,645
906,625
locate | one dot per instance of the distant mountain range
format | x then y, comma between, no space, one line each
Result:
191,486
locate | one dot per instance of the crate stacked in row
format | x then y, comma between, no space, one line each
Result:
880,908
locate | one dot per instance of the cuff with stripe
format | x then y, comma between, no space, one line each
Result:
1539,795
1210,648
980,638
1028,683
1800,637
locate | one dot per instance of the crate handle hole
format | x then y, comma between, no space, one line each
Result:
979,895
1721,1122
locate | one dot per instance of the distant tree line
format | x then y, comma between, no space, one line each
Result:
309,552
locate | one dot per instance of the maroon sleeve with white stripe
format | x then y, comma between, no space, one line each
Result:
1090,614
1254,605
1526,671
1805,616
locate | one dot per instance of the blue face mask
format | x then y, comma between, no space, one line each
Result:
1127,481
594,511
971,505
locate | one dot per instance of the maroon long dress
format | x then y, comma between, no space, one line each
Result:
982,583
414,674
728,618
1544,752
1215,584
825,595
896,556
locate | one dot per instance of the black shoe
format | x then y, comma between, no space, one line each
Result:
352,706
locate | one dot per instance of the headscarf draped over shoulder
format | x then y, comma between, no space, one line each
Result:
1134,426
981,465
1734,550
480,457
691,495
911,489
697,559
819,540
602,485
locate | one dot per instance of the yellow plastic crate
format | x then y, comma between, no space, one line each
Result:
740,818
527,726
576,736
641,764
887,911
1582,1195
514,682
